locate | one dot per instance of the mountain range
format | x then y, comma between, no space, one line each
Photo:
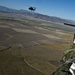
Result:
35,15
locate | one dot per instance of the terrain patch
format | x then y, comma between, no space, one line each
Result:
3,26
24,30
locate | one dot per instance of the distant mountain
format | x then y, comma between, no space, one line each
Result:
5,9
35,15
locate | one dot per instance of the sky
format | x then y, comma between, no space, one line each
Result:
59,8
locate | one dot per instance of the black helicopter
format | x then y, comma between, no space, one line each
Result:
32,8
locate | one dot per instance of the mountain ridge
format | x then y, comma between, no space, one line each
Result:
35,15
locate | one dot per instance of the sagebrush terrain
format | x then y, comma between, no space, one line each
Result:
31,47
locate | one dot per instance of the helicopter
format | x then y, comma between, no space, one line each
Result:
32,8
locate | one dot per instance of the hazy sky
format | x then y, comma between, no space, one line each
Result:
60,8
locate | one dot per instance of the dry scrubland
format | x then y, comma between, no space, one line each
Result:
31,47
